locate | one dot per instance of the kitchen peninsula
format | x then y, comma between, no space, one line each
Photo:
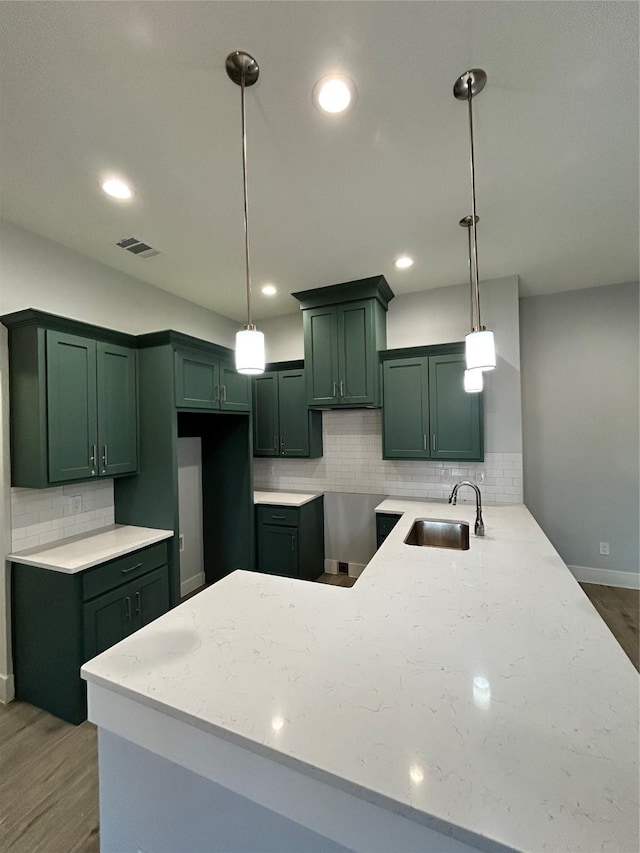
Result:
452,700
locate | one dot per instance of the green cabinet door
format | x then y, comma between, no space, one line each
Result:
321,355
278,550
71,407
117,410
108,619
405,414
456,416
235,390
294,414
357,356
266,427
151,596
197,378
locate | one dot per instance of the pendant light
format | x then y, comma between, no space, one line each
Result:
480,348
473,382
244,71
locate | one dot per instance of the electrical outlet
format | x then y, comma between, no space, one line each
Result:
479,477
604,549
76,503
343,568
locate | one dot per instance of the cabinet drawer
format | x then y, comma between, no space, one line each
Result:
110,575
283,515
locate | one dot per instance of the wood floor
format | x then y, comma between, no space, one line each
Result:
48,768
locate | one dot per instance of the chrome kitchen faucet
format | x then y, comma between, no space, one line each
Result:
453,497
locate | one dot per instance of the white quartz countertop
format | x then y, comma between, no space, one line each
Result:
77,553
476,691
285,498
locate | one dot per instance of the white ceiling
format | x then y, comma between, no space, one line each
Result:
139,88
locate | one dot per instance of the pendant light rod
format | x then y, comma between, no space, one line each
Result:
466,87
244,71
246,197
465,222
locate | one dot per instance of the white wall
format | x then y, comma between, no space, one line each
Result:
580,353
37,273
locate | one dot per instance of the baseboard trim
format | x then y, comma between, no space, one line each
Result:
191,583
355,569
7,689
606,577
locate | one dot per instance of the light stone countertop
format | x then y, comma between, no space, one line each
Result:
476,691
285,498
77,553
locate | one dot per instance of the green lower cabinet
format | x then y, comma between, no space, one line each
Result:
62,620
283,425
427,414
290,540
385,522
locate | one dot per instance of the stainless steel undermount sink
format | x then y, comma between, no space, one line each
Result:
438,533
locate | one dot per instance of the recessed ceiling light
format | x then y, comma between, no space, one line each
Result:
403,263
269,290
334,93
116,188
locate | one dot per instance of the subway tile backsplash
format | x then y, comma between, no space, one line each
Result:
39,516
353,462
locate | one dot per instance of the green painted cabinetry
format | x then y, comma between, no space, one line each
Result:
427,414
344,330
62,620
385,522
74,401
283,425
290,540
206,381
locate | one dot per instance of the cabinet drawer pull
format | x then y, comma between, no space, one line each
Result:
424,441
275,442
224,394
433,441
127,604
293,543
341,388
93,459
130,569
335,389
216,393
138,604
278,517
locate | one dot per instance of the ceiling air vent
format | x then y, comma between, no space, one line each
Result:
137,247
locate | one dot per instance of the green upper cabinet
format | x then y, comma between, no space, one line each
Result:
455,414
405,415
206,380
344,329
283,425
74,402
71,407
117,409
427,414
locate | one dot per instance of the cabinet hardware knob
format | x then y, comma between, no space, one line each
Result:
130,569
278,517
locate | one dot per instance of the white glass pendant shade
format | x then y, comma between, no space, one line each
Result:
249,352
473,381
480,350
